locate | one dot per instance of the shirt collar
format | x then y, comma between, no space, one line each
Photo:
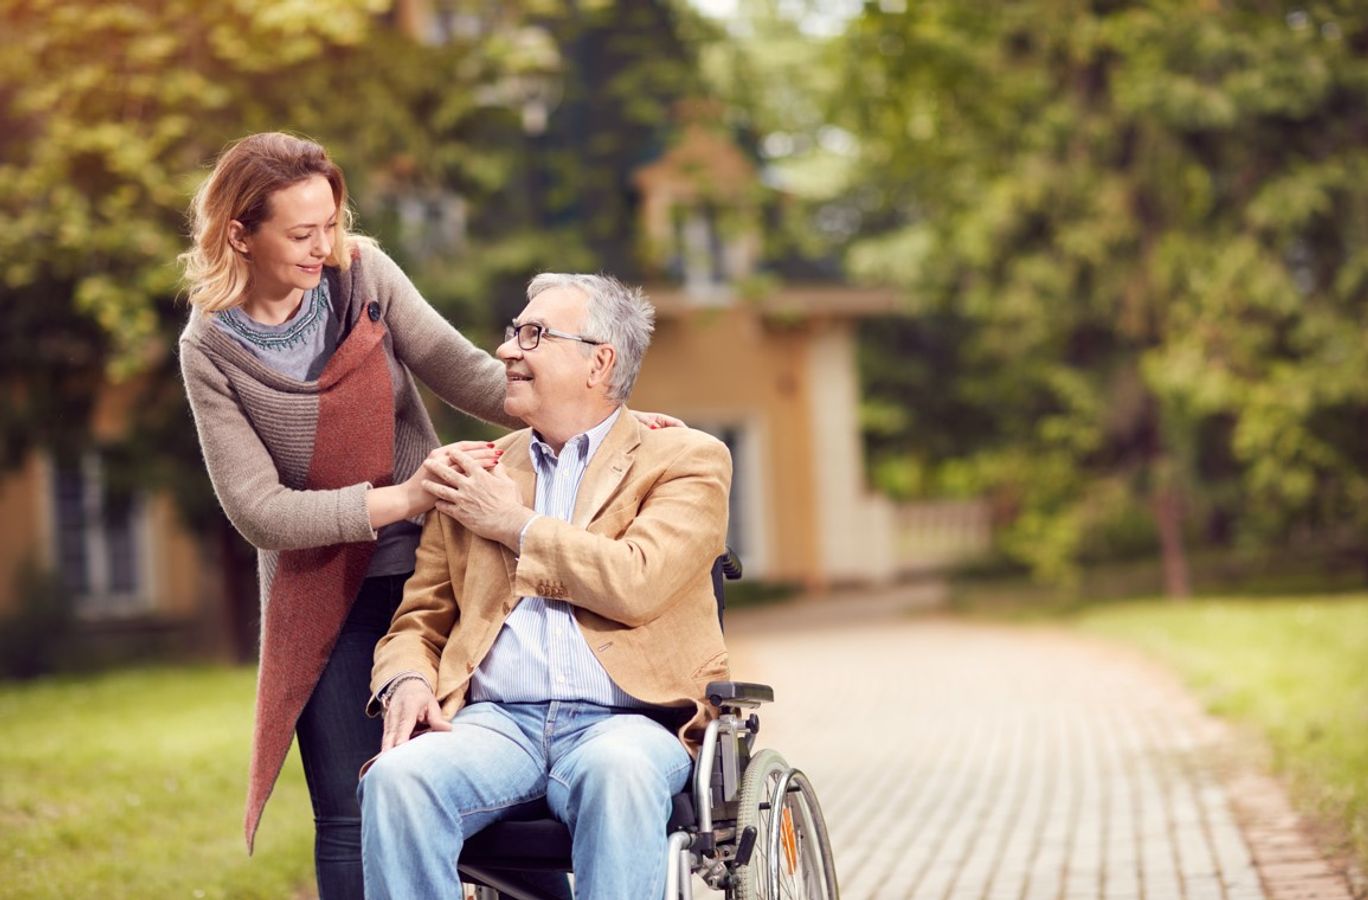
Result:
586,443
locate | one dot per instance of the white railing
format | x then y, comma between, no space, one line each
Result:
931,535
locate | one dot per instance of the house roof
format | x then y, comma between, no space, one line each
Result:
703,162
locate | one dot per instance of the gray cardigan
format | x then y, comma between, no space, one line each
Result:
256,426
260,435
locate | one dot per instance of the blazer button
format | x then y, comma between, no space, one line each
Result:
373,310
507,608
470,667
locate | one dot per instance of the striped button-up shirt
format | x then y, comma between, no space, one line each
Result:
540,654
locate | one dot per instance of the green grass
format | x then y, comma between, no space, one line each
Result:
131,785
1295,670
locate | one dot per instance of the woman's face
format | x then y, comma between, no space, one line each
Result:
287,250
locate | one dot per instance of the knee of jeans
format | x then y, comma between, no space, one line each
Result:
337,825
337,838
394,778
621,768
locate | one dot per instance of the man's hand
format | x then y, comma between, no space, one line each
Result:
412,704
486,501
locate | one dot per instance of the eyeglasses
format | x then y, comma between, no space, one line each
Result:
530,335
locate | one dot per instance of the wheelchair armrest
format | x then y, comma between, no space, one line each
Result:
739,693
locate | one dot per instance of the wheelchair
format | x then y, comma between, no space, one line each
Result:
749,825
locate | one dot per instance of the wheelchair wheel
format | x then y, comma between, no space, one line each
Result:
803,862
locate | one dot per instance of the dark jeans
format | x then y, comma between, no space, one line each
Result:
336,738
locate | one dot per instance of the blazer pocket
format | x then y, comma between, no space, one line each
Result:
715,665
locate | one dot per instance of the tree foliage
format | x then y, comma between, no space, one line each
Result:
111,111
1132,232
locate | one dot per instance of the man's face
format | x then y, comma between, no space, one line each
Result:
553,378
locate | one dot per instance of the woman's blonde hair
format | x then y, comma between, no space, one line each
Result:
247,173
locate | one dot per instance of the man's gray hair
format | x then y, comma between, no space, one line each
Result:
618,315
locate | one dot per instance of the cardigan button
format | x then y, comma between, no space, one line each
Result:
373,310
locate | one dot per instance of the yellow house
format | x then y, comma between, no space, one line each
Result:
769,368
776,380
126,562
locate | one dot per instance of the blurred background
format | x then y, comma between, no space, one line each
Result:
1052,303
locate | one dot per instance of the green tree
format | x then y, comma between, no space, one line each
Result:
1134,231
109,112
627,64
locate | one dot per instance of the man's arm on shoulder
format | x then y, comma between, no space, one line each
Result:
633,578
424,620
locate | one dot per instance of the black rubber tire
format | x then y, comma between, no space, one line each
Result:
807,872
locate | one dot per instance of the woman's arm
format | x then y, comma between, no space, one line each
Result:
268,514
461,374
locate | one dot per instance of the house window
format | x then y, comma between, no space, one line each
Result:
746,526
736,511
99,539
699,259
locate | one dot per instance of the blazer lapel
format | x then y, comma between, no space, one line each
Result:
608,467
517,461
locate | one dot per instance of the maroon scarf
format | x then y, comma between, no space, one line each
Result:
313,589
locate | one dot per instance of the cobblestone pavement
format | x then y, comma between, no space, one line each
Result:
960,760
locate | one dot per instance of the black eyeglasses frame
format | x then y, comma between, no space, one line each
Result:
538,330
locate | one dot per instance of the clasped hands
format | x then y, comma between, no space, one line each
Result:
470,487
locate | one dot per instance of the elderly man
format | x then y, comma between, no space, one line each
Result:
560,612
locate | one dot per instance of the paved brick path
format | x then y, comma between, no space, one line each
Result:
957,760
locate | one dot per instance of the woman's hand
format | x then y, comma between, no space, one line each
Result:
482,453
658,420
436,469
407,499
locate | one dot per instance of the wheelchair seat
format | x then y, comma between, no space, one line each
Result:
531,839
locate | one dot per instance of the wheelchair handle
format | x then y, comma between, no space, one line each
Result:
731,565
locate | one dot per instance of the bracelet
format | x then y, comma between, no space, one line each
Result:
388,691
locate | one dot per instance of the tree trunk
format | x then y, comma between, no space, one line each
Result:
1168,516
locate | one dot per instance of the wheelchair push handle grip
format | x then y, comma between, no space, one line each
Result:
731,565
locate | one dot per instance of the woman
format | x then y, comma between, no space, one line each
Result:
299,361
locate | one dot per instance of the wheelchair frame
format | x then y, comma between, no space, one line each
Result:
723,826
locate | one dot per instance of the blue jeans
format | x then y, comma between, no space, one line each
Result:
336,738
607,774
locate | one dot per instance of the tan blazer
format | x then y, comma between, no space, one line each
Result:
636,561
